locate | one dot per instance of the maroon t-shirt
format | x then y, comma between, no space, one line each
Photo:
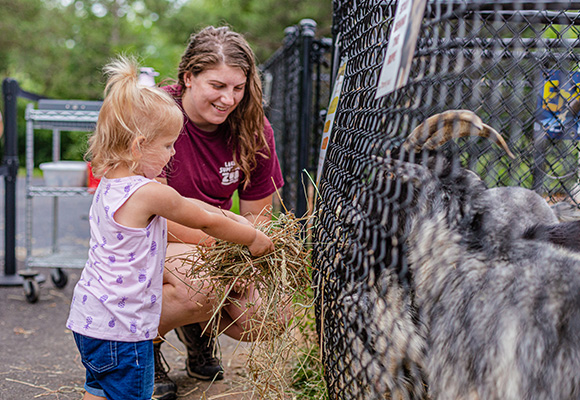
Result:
203,166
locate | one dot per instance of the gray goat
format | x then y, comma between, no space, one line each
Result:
491,304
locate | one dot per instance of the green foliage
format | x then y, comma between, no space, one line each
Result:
235,203
57,48
261,21
308,375
17,26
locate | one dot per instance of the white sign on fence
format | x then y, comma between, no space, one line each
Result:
402,41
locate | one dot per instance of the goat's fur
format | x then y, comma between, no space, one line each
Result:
492,307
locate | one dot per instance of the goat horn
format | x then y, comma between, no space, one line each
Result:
440,128
493,135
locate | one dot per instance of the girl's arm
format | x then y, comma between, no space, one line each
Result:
154,199
216,210
183,234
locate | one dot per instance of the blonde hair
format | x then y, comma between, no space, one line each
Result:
129,111
210,48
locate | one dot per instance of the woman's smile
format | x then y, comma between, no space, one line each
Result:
212,95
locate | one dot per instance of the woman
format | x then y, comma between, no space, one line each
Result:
226,144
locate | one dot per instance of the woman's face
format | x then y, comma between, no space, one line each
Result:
212,95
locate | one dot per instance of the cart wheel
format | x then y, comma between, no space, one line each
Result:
59,278
31,290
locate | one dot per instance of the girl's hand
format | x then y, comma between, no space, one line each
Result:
261,244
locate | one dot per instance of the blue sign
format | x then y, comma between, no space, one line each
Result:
559,91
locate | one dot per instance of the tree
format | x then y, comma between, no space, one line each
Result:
57,48
261,21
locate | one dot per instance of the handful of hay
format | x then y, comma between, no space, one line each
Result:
287,265
283,285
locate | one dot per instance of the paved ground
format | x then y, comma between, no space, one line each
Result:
38,358
72,223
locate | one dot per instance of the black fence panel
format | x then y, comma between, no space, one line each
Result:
409,246
296,92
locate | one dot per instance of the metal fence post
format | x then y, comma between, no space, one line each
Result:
289,43
10,90
307,32
294,84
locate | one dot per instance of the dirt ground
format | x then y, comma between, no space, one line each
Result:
39,360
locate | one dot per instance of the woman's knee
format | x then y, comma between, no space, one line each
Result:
175,294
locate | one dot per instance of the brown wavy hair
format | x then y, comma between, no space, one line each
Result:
210,48
129,110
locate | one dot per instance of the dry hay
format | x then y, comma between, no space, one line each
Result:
282,280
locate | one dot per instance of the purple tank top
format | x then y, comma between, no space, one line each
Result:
118,296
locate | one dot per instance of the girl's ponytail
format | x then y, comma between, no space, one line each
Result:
129,111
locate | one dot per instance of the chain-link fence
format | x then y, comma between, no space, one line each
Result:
409,254
296,91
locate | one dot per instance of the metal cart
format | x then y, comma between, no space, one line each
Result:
58,116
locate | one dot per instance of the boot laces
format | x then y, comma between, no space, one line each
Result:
160,370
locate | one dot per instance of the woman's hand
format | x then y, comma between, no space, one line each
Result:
261,244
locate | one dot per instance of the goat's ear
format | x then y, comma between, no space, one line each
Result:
564,234
474,232
476,221
535,232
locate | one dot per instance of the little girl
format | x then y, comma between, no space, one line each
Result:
116,304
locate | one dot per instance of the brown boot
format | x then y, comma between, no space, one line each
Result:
200,363
164,388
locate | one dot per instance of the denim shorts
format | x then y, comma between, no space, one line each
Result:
117,370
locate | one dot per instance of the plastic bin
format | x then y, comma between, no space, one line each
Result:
64,173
